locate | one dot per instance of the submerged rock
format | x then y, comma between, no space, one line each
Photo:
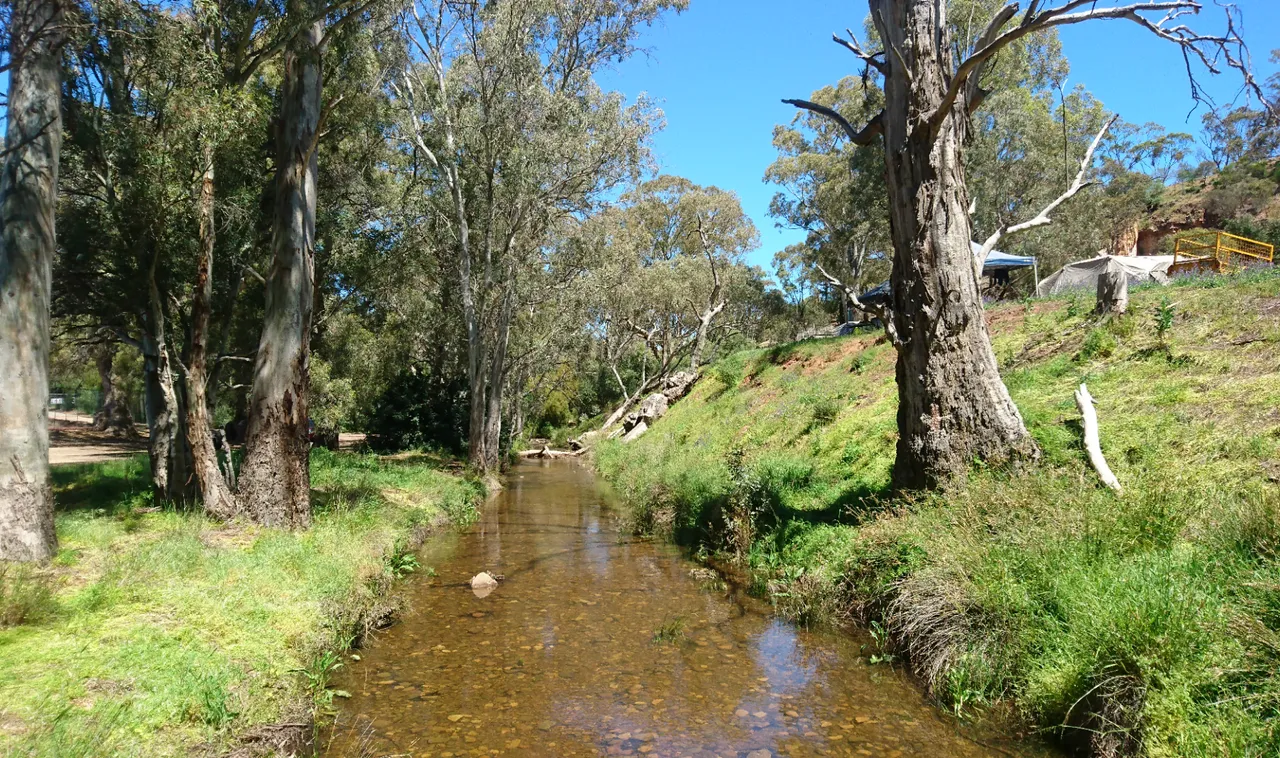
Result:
483,583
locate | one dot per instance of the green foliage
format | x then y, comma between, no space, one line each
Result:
420,411
825,410
1164,315
670,632
1098,343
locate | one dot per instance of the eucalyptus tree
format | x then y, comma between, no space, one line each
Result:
953,407
510,133
28,196
675,252
142,111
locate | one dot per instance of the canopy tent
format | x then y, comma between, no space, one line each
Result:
1083,275
996,261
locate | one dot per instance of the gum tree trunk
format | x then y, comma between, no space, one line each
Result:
114,416
214,491
28,195
275,482
953,407
166,444
497,384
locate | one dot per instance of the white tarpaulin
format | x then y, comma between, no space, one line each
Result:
1083,275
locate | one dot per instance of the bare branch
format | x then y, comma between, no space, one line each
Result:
1042,218
873,129
1210,50
881,312
852,46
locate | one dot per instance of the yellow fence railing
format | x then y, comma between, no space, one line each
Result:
1218,252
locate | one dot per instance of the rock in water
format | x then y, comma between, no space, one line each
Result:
483,580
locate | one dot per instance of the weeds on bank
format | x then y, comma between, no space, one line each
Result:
156,631
1143,622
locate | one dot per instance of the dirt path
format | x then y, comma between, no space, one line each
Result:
72,439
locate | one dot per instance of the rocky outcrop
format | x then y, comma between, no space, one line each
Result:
655,406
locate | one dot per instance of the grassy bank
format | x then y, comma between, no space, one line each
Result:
158,632
1141,623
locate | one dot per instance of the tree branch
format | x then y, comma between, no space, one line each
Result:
868,133
852,46
1042,218
879,311
1208,49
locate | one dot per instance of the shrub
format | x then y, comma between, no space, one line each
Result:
420,410
1099,343
825,410
26,595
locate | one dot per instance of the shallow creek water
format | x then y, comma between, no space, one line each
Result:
561,659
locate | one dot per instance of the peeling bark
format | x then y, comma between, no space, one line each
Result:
166,443
953,407
275,480
215,492
28,195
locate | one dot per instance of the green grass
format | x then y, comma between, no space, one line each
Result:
164,633
1142,623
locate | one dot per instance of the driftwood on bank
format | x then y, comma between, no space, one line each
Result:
1092,442
547,452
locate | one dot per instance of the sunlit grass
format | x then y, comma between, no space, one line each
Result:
166,631
1148,620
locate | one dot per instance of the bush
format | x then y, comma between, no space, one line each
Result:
25,595
1099,343
420,410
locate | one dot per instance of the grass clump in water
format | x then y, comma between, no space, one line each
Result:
671,632
165,633
1144,623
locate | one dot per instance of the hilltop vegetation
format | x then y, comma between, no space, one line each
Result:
1141,623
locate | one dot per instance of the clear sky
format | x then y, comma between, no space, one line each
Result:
720,69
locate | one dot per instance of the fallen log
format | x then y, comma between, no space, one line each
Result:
546,452
1092,441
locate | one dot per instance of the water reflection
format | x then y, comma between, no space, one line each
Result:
561,658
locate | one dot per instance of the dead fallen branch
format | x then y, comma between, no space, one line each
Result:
1092,442
546,452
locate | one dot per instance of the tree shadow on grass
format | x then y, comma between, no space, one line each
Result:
857,503
99,486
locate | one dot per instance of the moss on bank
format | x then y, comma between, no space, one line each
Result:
158,632
1142,623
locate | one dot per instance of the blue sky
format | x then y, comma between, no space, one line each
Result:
720,69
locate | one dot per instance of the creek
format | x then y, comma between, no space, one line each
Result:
599,643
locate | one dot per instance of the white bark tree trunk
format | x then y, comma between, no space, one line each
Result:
166,443
275,481
28,195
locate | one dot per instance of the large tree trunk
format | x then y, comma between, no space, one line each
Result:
497,382
953,407
214,490
166,444
28,194
114,416
275,481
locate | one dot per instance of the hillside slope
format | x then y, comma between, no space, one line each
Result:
1141,623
